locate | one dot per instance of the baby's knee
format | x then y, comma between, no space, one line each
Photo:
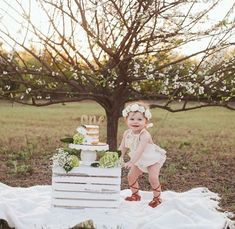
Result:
153,178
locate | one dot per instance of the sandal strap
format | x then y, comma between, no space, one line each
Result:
134,196
157,188
132,186
156,197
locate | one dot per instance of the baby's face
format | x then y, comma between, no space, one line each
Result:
136,121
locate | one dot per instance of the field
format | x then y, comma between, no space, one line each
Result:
200,145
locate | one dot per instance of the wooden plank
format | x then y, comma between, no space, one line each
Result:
85,195
86,187
85,203
87,180
88,170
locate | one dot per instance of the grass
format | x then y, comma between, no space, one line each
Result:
200,145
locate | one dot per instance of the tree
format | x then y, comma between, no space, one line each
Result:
117,51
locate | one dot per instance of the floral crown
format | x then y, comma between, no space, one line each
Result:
136,107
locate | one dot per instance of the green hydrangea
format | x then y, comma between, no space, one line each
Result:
74,161
109,160
78,138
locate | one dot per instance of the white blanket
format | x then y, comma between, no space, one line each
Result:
28,208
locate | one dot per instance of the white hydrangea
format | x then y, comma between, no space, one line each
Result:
124,113
148,114
141,109
128,109
136,107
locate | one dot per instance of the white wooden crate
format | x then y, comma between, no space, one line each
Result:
86,187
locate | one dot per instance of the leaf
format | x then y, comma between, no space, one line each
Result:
67,140
95,164
119,153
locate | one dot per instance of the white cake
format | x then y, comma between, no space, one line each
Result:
91,134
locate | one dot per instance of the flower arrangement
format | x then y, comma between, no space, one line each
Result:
78,138
65,159
110,159
137,107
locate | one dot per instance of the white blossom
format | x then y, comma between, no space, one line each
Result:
150,76
28,90
201,90
223,88
166,81
7,87
75,76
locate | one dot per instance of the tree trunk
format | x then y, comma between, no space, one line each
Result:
112,128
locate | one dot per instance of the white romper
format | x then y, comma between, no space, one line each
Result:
151,155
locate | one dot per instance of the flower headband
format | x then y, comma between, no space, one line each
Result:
136,107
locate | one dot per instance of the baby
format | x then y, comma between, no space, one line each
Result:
145,156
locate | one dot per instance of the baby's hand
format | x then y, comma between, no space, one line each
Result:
128,165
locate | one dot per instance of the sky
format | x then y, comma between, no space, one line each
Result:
10,22
216,15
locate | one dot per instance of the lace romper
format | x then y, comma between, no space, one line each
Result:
151,155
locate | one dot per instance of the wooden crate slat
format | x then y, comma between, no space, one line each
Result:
86,195
85,203
85,187
88,180
88,170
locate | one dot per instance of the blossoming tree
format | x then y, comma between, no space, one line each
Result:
117,51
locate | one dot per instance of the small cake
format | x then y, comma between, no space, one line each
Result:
90,133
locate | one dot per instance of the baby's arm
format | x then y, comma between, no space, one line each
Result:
144,140
122,145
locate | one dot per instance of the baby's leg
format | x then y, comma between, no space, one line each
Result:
153,171
133,175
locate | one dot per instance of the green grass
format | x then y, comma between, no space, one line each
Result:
23,125
200,144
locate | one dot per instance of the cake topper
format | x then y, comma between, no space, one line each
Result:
92,119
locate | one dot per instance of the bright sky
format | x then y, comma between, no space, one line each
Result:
216,15
10,22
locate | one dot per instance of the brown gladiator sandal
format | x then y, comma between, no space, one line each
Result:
156,199
135,196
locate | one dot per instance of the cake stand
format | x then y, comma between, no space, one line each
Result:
88,152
